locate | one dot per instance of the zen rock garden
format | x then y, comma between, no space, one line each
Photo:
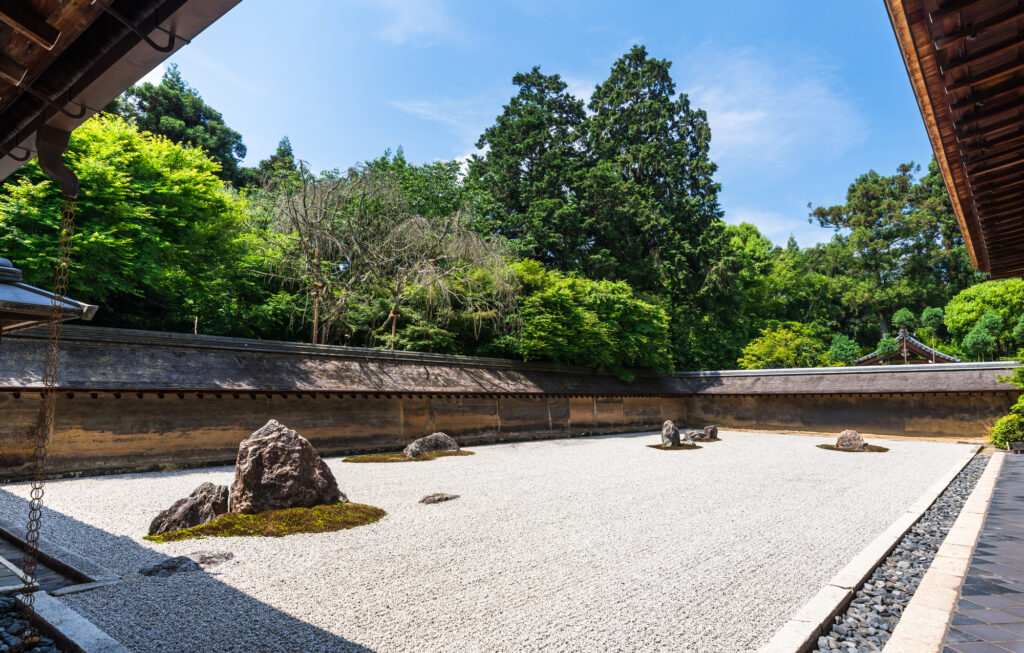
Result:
672,438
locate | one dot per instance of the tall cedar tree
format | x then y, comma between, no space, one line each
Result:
649,191
532,166
174,109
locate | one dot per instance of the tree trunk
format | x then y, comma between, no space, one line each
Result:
316,315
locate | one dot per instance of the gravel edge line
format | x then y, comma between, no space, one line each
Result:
927,617
800,633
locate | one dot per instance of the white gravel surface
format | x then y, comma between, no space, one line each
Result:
591,544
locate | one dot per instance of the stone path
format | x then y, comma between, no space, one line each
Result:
989,617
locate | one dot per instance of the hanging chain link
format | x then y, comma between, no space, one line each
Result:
45,420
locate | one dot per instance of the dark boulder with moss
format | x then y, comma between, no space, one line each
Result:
278,468
431,443
206,503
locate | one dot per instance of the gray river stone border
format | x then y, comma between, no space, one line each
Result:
877,606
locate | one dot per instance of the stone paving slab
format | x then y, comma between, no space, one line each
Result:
989,616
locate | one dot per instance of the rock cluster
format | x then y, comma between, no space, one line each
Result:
206,503
878,605
430,443
278,468
669,434
709,432
11,627
850,439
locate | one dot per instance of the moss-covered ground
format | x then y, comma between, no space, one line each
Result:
399,457
868,448
277,523
668,448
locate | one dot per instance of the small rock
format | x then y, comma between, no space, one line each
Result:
206,503
850,439
693,434
434,442
211,558
438,497
179,564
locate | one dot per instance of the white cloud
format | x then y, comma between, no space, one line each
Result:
416,21
778,227
770,115
465,118
579,87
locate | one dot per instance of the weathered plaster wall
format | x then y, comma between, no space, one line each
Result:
103,432
132,400
966,415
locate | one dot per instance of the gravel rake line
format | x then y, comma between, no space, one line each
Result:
879,603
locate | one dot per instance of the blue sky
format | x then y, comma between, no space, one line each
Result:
801,96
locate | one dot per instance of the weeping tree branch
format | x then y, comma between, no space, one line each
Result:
342,237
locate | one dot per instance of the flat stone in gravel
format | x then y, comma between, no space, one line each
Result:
556,545
438,497
175,565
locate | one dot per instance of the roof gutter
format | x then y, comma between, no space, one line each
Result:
96,75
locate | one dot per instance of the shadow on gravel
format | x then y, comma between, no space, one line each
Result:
187,611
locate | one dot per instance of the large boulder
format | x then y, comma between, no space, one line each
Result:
711,432
278,468
429,443
669,434
850,439
206,503
693,434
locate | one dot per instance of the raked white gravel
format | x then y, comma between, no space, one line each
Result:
590,544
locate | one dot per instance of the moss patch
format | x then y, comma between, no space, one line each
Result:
399,457
664,447
868,448
277,523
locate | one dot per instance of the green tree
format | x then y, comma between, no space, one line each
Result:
281,163
978,342
174,109
904,319
650,192
567,319
159,243
1004,298
897,243
531,167
932,319
788,345
843,349
887,347
1018,332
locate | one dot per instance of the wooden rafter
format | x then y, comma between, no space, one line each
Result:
21,16
965,58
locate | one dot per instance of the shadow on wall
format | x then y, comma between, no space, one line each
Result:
191,611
